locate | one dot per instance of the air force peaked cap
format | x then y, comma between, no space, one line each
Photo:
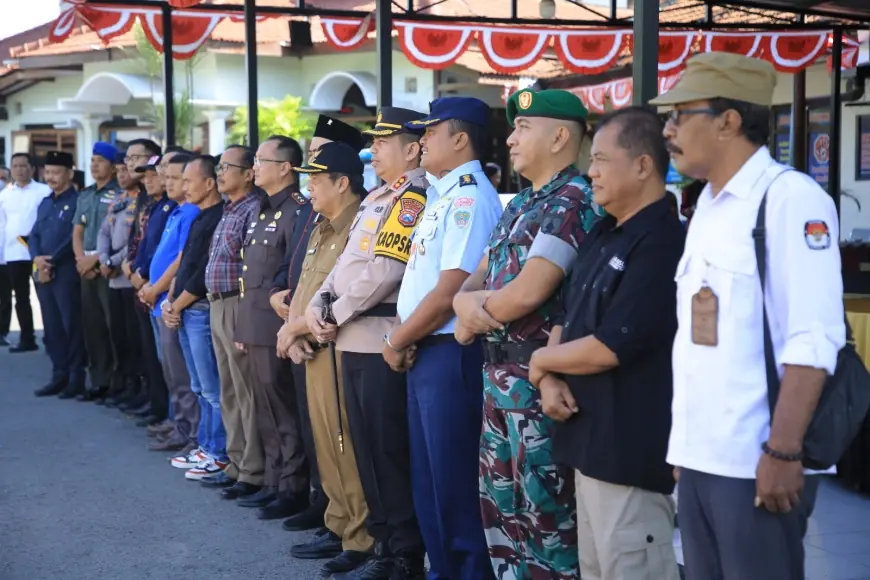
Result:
466,109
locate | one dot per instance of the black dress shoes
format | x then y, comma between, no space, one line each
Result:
240,489
24,346
74,388
325,544
409,566
284,506
310,519
55,387
219,479
373,568
260,499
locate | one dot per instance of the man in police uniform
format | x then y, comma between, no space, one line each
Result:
444,382
58,285
744,501
282,210
336,187
365,284
327,130
513,298
93,204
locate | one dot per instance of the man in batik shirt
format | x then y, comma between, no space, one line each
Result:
527,501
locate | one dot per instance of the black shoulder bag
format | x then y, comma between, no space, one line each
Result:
845,398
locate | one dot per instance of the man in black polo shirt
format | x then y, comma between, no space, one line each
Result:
606,374
187,309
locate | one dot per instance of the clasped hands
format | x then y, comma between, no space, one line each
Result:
471,316
170,318
43,268
87,266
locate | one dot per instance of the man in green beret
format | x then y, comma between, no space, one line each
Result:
513,300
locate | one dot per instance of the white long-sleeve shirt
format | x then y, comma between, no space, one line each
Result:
18,207
720,408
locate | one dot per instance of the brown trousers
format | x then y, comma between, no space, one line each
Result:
237,397
275,400
347,510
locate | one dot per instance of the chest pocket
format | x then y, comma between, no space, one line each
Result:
731,273
364,239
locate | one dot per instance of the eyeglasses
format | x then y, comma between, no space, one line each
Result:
676,115
259,161
221,167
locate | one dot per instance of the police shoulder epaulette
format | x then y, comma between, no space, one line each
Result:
397,185
467,179
421,191
298,198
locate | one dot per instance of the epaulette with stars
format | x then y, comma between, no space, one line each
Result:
467,179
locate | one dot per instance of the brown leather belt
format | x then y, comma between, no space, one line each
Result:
215,296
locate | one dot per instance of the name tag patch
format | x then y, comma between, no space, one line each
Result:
817,235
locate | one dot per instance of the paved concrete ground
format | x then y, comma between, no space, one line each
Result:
82,499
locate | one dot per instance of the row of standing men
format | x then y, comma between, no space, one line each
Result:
379,301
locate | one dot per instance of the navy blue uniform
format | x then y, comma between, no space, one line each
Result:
60,299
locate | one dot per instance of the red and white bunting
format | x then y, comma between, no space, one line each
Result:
619,93
674,50
851,53
590,52
511,50
184,3
189,31
433,46
508,50
791,52
346,33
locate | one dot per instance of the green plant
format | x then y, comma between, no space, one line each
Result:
150,62
284,117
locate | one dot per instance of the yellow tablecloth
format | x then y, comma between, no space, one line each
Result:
858,314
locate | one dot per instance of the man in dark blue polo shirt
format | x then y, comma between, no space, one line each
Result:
58,286
609,382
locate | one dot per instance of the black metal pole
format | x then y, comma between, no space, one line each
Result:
645,70
168,78
836,119
251,71
613,12
798,136
708,16
384,15
514,8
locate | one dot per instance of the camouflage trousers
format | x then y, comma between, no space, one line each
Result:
527,502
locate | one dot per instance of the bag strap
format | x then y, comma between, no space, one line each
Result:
759,234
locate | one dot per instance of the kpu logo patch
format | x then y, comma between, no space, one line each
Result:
817,235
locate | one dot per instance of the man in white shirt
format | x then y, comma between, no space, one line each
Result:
18,204
744,501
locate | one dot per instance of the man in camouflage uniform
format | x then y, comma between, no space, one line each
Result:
527,501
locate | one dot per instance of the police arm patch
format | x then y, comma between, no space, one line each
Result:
817,235
394,239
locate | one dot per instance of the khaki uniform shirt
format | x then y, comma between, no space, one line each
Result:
325,246
370,269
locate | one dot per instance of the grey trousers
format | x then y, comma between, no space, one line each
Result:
184,403
96,323
725,537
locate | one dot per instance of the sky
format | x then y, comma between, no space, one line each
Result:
37,12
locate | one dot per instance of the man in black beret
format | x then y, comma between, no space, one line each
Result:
58,286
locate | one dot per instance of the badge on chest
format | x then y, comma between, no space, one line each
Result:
705,317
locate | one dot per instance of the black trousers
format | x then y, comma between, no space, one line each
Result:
96,323
62,317
151,367
20,272
298,372
125,333
5,300
376,401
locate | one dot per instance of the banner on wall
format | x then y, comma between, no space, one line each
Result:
819,151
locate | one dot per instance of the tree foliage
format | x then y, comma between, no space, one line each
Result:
284,117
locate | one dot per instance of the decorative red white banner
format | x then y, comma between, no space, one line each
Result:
618,92
508,50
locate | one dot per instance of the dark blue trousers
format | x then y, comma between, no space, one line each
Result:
445,414
61,305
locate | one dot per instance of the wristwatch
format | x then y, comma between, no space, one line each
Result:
390,344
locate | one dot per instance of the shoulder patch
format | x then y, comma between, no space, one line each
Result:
298,198
817,235
461,217
397,185
394,237
467,179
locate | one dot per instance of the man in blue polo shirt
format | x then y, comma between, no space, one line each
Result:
164,265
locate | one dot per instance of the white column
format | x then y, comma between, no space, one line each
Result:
87,136
217,131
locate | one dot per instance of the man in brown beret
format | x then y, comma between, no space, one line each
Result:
739,417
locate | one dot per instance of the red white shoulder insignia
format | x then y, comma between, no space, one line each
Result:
299,198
